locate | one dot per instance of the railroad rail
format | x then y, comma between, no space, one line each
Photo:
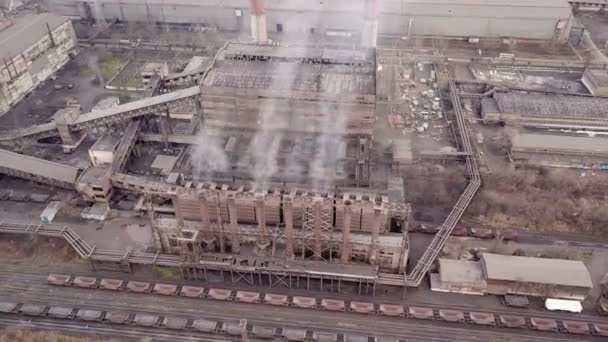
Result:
415,277
536,321
236,328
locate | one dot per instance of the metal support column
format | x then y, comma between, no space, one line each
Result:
317,228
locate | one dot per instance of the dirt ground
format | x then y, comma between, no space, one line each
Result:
17,334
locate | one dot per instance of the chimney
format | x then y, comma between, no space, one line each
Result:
259,31
370,24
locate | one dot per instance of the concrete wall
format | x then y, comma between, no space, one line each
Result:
35,64
522,18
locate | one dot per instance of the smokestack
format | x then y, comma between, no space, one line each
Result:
259,31
370,24
346,244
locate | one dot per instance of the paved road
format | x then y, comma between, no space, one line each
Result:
32,288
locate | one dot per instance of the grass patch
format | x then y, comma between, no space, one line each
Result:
14,334
86,72
135,83
166,272
110,66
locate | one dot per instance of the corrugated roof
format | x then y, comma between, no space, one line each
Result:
39,167
461,271
26,31
550,142
536,270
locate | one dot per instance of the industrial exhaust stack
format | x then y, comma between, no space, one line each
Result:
259,32
370,24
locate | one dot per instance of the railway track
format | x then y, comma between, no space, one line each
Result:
35,280
151,325
36,291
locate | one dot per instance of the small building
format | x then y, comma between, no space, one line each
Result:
596,81
94,184
154,69
32,48
539,277
459,276
559,151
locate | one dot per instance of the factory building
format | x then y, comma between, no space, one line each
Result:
533,19
559,151
539,110
32,48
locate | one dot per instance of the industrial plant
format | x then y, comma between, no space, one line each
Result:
209,162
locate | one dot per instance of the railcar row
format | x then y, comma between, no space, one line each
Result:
360,307
201,325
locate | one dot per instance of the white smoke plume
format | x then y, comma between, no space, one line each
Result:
208,156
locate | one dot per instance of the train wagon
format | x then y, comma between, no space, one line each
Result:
112,284
60,312
262,332
304,302
451,315
85,282
600,329
362,307
89,315
276,299
512,321
482,318
175,323
145,320
8,307
355,338
220,294
165,289
420,312
32,310
248,296
117,317
139,286
324,336
231,328
204,325
58,279
391,310
333,304
543,324
294,334
192,291
575,327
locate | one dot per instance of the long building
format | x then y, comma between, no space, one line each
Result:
534,19
32,48
559,151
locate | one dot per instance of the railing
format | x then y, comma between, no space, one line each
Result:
430,254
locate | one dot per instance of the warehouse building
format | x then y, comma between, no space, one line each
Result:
32,48
539,110
514,275
540,277
560,151
533,19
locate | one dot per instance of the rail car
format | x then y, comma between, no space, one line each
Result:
312,303
202,325
464,231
